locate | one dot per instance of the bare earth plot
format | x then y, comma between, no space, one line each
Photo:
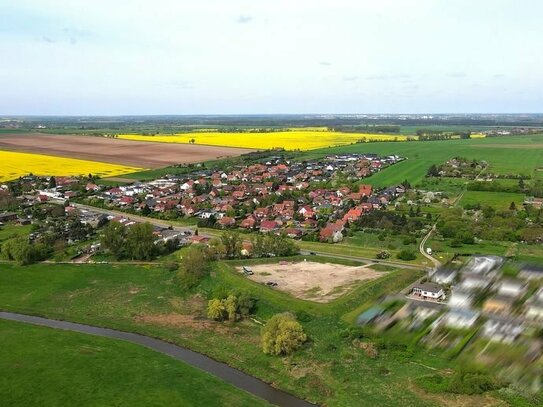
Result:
134,153
320,282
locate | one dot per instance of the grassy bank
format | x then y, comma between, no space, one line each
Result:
331,369
91,371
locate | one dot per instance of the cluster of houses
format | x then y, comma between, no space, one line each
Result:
179,236
273,196
458,167
479,291
477,296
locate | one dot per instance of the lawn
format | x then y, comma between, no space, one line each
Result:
498,200
355,247
50,367
505,155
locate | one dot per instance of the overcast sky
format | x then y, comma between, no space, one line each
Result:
270,56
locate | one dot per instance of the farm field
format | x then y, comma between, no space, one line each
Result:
142,377
320,282
115,151
15,165
498,200
289,140
505,155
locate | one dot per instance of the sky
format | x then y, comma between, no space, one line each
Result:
117,57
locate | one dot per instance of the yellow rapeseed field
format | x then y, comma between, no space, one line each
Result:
13,165
289,140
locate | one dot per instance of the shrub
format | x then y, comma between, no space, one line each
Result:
282,335
406,255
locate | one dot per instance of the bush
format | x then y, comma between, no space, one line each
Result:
282,335
472,383
194,266
382,255
406,255
231,307
462,382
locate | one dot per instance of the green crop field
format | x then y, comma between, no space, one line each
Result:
498,200
505,155
93,371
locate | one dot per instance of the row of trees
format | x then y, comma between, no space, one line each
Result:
233,307
21,250
136,242
196,261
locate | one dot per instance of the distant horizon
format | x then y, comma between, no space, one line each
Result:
8,116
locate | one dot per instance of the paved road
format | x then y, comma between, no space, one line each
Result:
137,218
166,224
230,375
363,259
436,262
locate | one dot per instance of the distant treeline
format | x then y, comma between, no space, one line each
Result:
435,134
534,188
368,129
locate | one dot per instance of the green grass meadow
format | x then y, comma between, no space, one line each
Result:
51,367
505,155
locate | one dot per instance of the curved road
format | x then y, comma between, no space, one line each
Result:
436,262
230,375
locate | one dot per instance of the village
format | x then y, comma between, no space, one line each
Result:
315,200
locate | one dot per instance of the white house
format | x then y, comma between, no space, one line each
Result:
534,307
460,318
531,273
460,299
512,288
444,276
474,282
428,291
483,265
502,331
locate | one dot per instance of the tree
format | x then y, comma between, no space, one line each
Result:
52,182
8,201
23,252
232,244
194,266
246,304
282,335
140,242
216,309
406,255
406,184
231,307
513,206
433,171
113,239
